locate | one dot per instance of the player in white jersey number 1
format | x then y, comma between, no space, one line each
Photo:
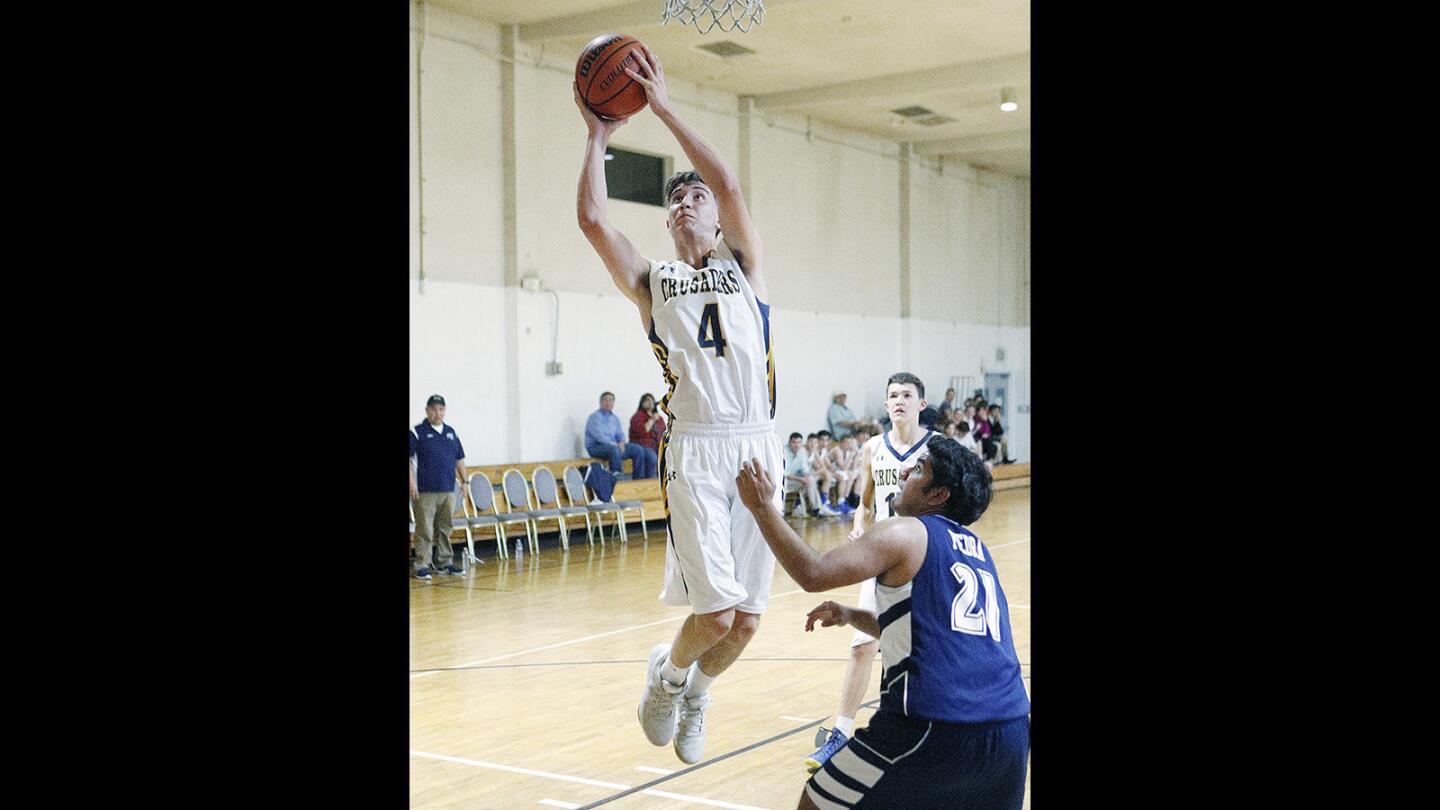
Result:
884,458
709,327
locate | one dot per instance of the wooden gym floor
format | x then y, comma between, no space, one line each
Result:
525,674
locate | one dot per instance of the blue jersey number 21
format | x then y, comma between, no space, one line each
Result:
965,615
711,335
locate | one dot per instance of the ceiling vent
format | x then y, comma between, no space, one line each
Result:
911,112
725,48
934,120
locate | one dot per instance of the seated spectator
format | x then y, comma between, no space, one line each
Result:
964,437
846,465
957,415
842,419
947,406
815,448
647,426
997,446
798,478
930,418
812,441
604,439
980,429
827,443
969,415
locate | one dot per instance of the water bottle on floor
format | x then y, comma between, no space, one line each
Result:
519,550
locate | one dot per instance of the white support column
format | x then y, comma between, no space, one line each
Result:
906,310
510,196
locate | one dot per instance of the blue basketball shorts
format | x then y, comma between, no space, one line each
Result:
912,763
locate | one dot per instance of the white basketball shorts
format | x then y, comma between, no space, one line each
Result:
715,557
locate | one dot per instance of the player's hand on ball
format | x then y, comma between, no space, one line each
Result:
830,613
652,77
595,123
754,485
855,533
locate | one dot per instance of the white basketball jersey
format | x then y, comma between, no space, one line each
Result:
886,464
712,338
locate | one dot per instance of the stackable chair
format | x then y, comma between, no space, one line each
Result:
602,483
460,521
517,501
547,497
512,516
575,491
482,495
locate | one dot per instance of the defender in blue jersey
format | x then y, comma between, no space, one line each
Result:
953,728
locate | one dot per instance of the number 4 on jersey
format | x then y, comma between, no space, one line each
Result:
711,335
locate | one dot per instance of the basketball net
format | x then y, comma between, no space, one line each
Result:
727,15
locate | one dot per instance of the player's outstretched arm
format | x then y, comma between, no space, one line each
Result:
884,546
629,270
735,222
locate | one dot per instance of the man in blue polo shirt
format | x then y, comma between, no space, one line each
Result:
605,439
436,451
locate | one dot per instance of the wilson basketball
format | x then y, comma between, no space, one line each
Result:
600,74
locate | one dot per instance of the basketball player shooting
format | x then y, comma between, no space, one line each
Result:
709,329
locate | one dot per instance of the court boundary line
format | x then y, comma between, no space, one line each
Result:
707,763
561,777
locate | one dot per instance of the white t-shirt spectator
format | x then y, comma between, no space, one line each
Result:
968,440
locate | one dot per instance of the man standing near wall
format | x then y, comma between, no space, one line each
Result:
436,452
709,327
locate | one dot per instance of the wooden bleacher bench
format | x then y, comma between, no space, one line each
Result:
495,471
1010,476
526,468
647,490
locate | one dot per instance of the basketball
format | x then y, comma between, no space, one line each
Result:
600,74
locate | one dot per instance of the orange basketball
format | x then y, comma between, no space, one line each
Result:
604,85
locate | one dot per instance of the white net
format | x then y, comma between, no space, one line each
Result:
727,15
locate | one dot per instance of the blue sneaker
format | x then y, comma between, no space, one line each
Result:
837,741
452,570
422,573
